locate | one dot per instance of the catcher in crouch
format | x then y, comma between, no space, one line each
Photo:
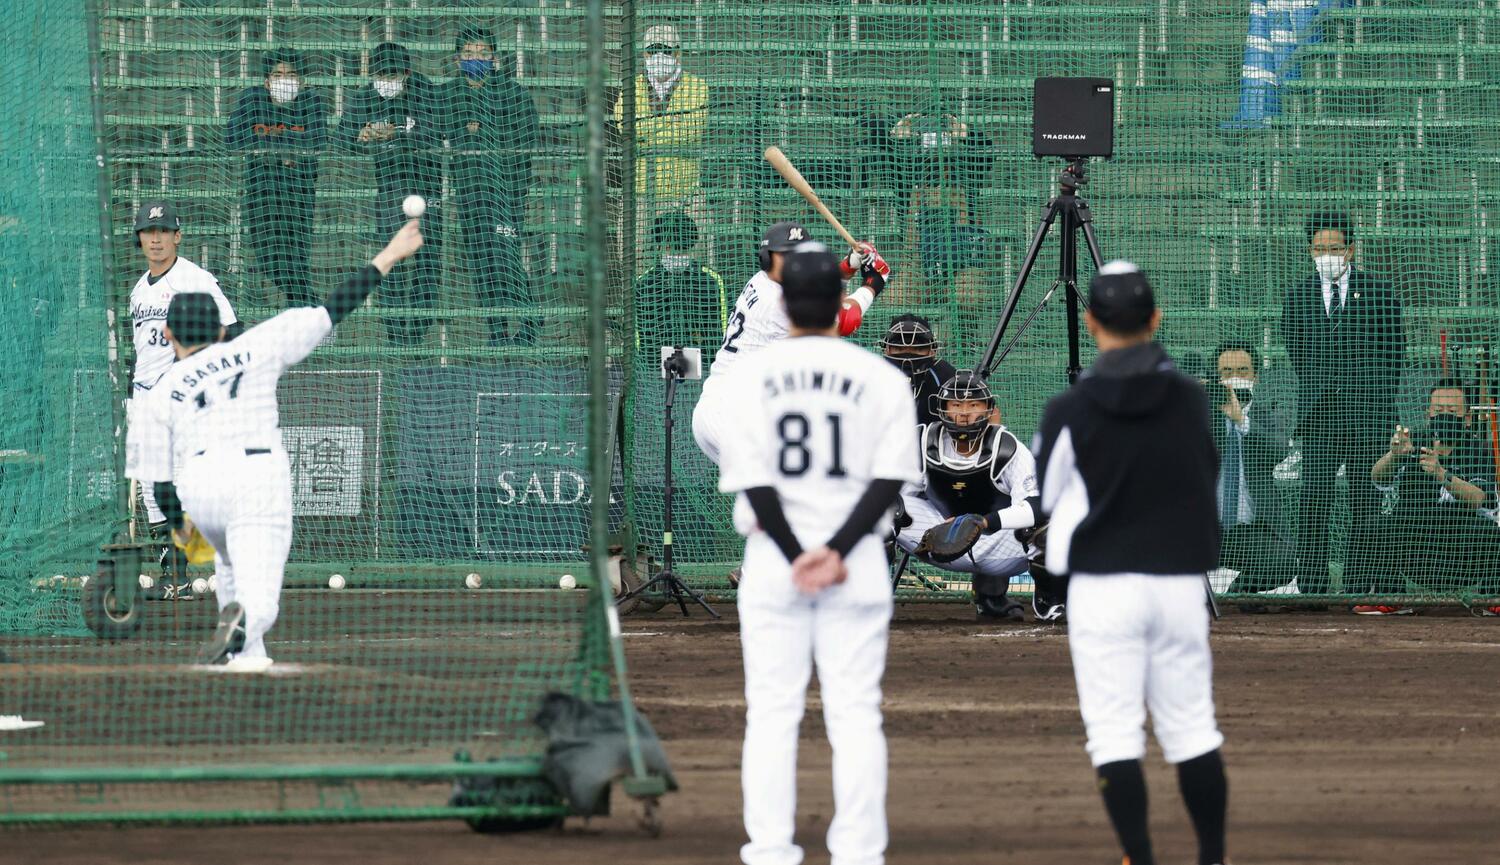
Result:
977,505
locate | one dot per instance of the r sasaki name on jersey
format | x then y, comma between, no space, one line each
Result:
223,364
815,380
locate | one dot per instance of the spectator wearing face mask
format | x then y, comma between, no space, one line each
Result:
1342,330
1250,433
392,120
491,124
679,301
281,126
671,112
1441,533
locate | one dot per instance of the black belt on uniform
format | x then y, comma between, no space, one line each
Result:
249,452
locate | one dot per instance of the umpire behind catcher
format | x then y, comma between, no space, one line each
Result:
1128,470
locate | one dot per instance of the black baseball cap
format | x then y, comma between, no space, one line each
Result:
157,214
1120,297
193,318
811,273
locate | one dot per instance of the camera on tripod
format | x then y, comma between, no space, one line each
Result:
681,362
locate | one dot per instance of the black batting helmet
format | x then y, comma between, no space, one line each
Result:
781,237
966,385
909,332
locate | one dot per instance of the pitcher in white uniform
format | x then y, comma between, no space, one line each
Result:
158,234
207,438
815,490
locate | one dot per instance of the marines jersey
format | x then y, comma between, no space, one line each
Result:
222,396
149,300
818,420
757,320
1001,472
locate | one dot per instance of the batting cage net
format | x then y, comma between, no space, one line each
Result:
1310,187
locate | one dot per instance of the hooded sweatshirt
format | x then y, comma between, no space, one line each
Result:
1127,468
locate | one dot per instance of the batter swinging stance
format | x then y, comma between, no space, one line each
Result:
208,439
1128,471
816,584
759,319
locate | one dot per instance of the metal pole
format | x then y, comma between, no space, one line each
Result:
112,295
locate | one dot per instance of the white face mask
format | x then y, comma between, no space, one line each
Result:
1331,267
283,89
660,67
388,87
1243,387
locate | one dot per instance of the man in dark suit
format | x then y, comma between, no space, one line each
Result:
1342,329
1250,432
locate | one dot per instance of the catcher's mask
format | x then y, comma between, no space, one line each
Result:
781,237
905,339
965,386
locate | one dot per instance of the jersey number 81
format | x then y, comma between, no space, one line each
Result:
795,458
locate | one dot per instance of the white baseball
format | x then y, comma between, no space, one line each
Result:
336,581
146,581
200,586
567,582
413,206
473,581
213,582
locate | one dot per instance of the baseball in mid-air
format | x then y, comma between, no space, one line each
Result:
567,582
336,581
413,206
473,581
200,586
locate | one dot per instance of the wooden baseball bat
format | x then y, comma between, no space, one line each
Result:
789,172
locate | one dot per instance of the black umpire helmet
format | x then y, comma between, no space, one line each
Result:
910,332
781,237
193,318
965,385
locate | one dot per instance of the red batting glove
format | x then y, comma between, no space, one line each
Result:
858,258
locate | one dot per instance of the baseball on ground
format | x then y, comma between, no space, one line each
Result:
473,581
567,582
413,206
336,581
200,586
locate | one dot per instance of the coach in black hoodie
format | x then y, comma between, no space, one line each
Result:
1128,470
281,125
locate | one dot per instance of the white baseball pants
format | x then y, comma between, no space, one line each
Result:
997,555
154,516
783,633
710,416
243,506
1140,642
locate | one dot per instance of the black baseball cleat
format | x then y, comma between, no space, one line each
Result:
1047,609
228,638
998,608
169,591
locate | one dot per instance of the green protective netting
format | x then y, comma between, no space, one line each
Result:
442,431
1236,123
439,436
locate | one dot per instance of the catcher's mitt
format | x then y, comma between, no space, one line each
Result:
950,539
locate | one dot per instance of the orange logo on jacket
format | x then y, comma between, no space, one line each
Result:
275,128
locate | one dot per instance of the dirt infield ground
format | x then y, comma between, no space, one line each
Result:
1350,740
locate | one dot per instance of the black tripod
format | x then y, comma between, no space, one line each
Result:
673,370
1074,212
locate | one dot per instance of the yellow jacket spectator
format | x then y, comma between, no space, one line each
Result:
671,111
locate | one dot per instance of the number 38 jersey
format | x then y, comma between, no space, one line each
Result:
818,418
222,396
149,300
757,320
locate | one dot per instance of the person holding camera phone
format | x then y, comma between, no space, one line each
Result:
1441,532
